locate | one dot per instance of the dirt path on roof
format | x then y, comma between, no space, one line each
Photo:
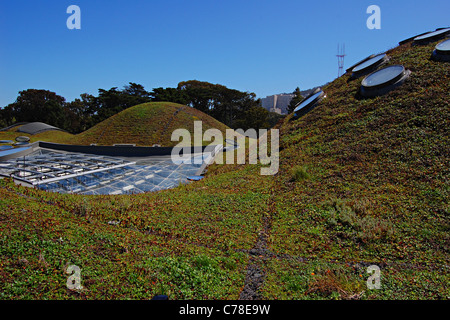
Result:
259,254
167,125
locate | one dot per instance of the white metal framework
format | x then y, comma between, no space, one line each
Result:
94,174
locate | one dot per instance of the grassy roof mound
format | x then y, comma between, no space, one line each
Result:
361,182
366,181
148,124
144,125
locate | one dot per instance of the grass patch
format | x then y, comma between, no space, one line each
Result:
354,222
299,173
378,196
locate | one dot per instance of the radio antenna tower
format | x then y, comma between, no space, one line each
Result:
341,56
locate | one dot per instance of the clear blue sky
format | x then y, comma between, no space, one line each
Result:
260,46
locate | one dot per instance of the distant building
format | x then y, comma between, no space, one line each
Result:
277,103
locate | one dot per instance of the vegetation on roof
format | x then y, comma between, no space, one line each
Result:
144,125
361,182
147,124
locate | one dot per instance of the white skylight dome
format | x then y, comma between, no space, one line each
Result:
432,36
384,80
369,65
442,51
308,103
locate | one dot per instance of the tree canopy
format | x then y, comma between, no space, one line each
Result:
232,107
295,100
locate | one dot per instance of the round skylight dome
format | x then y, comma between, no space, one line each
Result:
359,62
369,65
384,80
432,36
22,139
309,103
412,38
442,51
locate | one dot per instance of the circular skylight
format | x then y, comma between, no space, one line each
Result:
384,80
412,38
309,103
432,36
383,76
370,64
22,139
444,47
359,62
442,51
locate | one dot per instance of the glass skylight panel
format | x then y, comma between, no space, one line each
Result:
12,151
370,64
383,80
442,51
432,36
359,62
383,76
307,101
23,139
444,47
68,172
308,104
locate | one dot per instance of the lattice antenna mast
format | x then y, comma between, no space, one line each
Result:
341,56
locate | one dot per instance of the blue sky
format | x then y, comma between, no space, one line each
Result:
260,46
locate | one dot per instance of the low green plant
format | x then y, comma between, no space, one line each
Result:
353,223
299,173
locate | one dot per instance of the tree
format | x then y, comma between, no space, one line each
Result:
3,119
295,100
169,95
232,107
229,106
35,105
136,90
6,116
255,117
112,101
273,118
81,113
201,95
136,94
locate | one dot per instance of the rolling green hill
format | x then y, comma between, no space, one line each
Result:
148,124
361,182
144,125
